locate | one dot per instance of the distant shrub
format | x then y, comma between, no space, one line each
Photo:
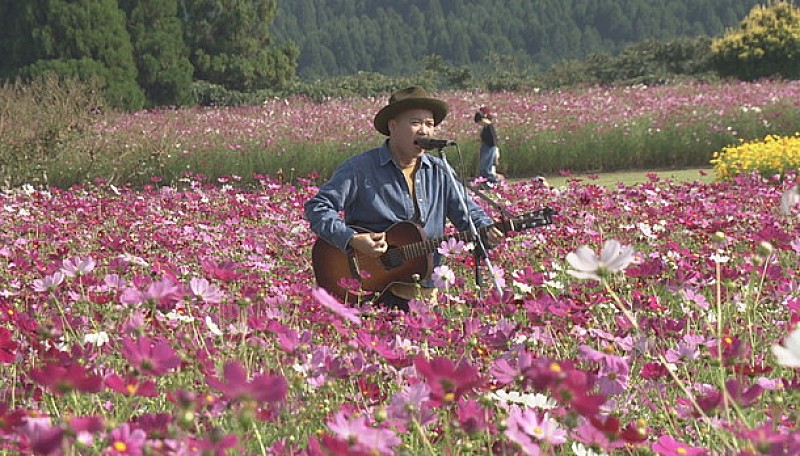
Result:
774,155
651,62
767,43
41,119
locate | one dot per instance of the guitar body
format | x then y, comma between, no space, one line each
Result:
332,266
409,254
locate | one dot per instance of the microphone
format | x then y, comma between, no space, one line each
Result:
430,143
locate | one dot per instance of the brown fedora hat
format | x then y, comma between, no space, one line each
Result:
414,97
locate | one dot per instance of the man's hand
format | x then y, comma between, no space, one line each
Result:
370,244
494,236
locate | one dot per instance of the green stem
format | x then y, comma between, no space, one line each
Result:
422,435
260,439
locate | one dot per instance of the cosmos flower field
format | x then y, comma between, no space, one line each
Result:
184,320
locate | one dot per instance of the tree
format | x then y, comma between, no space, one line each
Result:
767,43
85,39
161,56
230,44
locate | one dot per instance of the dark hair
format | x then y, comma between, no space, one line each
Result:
478,117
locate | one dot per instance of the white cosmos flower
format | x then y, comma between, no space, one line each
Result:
789,200
613,258
97,339
788,354
530,400
212,326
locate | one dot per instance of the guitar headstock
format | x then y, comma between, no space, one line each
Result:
542,217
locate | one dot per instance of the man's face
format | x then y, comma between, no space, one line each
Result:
408,126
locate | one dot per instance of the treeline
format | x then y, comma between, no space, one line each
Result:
145,52
341,37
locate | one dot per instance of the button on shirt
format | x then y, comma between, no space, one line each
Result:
372,193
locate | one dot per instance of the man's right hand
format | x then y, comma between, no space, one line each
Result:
370,244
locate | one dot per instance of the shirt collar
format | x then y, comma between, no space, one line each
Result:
386,156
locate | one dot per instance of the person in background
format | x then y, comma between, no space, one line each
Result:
394,182
490,151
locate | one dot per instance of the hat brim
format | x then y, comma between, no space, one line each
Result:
437,107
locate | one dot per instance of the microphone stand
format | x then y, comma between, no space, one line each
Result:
480,249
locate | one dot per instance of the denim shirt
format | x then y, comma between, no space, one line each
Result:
372,193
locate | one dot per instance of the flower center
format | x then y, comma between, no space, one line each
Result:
120,446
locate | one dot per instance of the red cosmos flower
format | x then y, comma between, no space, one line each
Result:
7,347
217,444
744,396
263,388
150,356
61,379
472,418
130,386
9,419
446,380
652,371
225,271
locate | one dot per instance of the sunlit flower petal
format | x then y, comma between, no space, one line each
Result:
788,354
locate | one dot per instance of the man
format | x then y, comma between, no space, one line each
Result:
395,182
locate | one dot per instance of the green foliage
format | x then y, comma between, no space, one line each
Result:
650,62
343,36
43,119
162,57
767,43
75,39
231,46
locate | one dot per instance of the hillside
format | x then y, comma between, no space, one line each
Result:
340,37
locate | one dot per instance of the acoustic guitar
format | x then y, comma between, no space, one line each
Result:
409,256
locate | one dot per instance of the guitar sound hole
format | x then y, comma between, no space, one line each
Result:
392,259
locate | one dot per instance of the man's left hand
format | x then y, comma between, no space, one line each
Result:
494,236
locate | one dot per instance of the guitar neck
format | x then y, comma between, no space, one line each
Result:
428,246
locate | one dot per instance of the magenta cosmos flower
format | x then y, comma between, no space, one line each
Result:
150,356
667,446
236,387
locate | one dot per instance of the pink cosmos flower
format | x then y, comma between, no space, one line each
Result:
73,267
150,356
327,300
48,282
413,402
452,247
125,441
40,435
205,291
667,446
85,427
362,437
443,277
542,428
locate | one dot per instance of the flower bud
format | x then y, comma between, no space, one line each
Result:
764,248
